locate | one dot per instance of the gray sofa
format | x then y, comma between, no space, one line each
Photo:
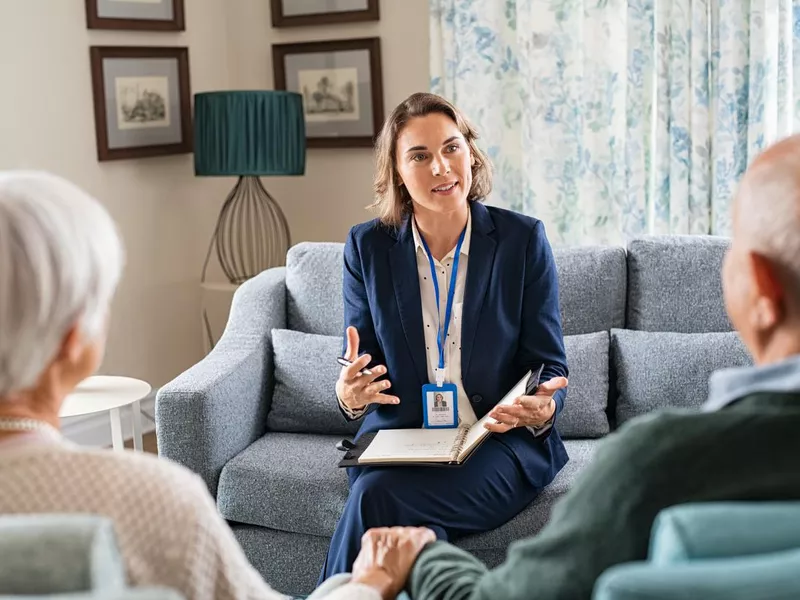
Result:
644,327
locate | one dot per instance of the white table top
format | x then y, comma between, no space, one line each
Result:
102,393
220,286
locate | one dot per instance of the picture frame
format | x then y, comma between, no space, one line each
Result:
136,15
142,101
341,82
322,12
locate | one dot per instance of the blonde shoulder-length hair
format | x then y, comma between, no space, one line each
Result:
392,200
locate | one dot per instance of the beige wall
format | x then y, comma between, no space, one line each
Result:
338,183
165,213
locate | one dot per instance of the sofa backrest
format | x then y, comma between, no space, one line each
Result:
591,285
592,288
314,288
675,284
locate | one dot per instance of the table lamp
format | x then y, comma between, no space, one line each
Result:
249,134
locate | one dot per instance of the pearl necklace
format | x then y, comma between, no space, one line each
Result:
19,424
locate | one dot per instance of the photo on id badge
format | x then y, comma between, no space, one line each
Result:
441,408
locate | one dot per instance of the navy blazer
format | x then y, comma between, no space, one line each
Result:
511,323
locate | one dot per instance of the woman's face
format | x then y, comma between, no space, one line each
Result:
434,162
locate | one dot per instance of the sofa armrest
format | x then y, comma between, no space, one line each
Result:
708,530
216,409
765,576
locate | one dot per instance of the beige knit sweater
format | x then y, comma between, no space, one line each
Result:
167,525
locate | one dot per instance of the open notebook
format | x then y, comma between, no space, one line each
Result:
431,446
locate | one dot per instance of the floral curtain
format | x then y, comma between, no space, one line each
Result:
612,118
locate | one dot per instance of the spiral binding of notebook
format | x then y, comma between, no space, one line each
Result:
458,443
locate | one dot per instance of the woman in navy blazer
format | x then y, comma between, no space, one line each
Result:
430,180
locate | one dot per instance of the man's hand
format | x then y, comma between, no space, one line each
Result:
387,555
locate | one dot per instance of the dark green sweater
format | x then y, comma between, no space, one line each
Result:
749,450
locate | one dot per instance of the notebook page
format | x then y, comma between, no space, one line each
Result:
477,432
409,445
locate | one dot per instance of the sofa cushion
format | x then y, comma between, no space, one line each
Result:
314,288
290,482
285,481
660,369
675,284
591,285
584,414
304,399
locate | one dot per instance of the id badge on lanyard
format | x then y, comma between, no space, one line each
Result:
440,399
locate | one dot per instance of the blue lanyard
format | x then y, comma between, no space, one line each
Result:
441,335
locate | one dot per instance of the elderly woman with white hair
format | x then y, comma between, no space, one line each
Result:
60,261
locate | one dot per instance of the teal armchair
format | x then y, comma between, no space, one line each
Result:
65,556
715,551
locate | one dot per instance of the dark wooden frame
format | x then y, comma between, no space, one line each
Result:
95,21
373,45
371,13
97,55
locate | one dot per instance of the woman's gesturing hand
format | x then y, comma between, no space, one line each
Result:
356,390
528,411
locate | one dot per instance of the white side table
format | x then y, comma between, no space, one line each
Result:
216,305
107,393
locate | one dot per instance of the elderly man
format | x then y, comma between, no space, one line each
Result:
743,446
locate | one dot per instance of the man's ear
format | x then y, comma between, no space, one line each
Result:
769,291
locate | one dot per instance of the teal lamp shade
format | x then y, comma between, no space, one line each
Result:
249,133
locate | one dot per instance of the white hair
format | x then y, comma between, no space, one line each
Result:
60,260
769,211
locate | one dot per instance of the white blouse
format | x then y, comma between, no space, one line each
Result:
432,315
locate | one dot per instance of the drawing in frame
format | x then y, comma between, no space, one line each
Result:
341,85
139,15
300,13
142,101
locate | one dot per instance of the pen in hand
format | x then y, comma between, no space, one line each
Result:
358,385
347,363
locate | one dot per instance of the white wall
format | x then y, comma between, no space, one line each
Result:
165,213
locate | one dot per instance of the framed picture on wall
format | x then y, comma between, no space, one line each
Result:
142,101
142,15
296,13
341,85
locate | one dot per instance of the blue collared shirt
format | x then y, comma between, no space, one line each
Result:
729,385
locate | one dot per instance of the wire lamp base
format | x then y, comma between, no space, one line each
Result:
252,233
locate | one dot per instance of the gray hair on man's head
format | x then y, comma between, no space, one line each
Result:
61,258
769,208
